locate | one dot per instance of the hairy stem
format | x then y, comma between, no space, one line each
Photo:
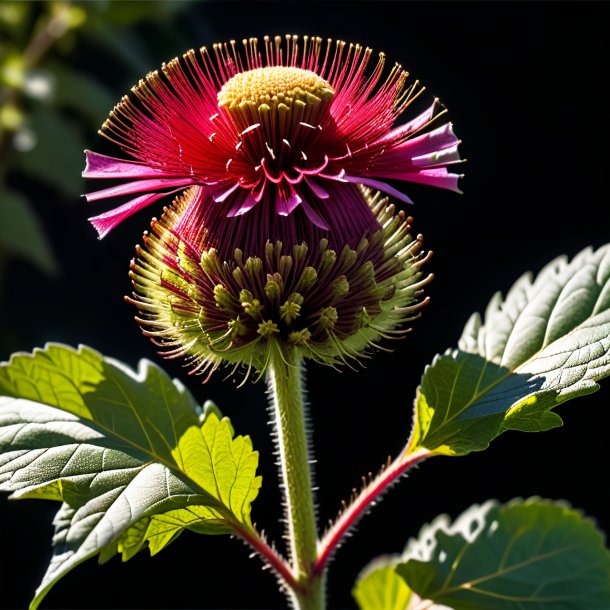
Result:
356,510
287,405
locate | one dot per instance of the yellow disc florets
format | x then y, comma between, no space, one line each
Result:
274,85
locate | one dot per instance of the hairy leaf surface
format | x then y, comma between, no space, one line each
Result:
548,341
132,457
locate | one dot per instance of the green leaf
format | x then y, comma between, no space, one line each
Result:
548,341
80,92
21,233
130,455
379,586
534,555
57,157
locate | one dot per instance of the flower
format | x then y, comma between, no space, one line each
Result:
285,131
278,236
329,305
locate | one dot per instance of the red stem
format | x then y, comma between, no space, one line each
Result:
355,511
270,556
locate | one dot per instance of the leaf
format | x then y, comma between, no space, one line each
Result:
125,452
526,555
22,235
82,93
57,157
379,586
548,341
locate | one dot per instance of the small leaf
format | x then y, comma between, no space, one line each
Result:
534,555
547,342
126,452
379,586
21,233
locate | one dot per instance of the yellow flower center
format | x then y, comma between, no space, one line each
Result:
275,87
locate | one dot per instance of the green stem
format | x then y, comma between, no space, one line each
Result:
287,403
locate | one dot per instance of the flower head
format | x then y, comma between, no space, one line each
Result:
287,129
330,305
275,236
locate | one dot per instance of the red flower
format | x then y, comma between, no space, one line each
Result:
280,135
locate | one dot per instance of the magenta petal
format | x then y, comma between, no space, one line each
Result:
104,223
438,177
314,216
102,166
438,139
380,186
138,186
284,207
317,190
222,197
437,158
241,206
412,126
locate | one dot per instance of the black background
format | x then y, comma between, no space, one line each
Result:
526,85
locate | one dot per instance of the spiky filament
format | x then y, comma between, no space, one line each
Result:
332,306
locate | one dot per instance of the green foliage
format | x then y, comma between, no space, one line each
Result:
531,554
131,456
548,341
379,586
21,234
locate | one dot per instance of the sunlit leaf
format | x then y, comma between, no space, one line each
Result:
125,452
546,342
379,586
21,233
532,555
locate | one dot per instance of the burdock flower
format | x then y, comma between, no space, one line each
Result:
275,237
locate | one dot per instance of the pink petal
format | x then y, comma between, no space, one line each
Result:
318,191
380,186
438,177
222,197
241,206
412,126
283,206
102,166
314,216
104,223
438,158
138,186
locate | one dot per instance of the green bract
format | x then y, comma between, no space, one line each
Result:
131,456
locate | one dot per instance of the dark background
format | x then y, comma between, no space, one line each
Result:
526,85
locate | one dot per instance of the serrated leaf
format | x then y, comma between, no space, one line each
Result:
379,586
548,341
21,233
123,451
532,555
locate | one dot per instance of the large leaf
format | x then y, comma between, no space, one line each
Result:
533,554
546,342
130,455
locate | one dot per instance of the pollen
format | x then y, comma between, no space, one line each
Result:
274,85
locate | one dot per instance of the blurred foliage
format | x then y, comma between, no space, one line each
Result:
49,103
